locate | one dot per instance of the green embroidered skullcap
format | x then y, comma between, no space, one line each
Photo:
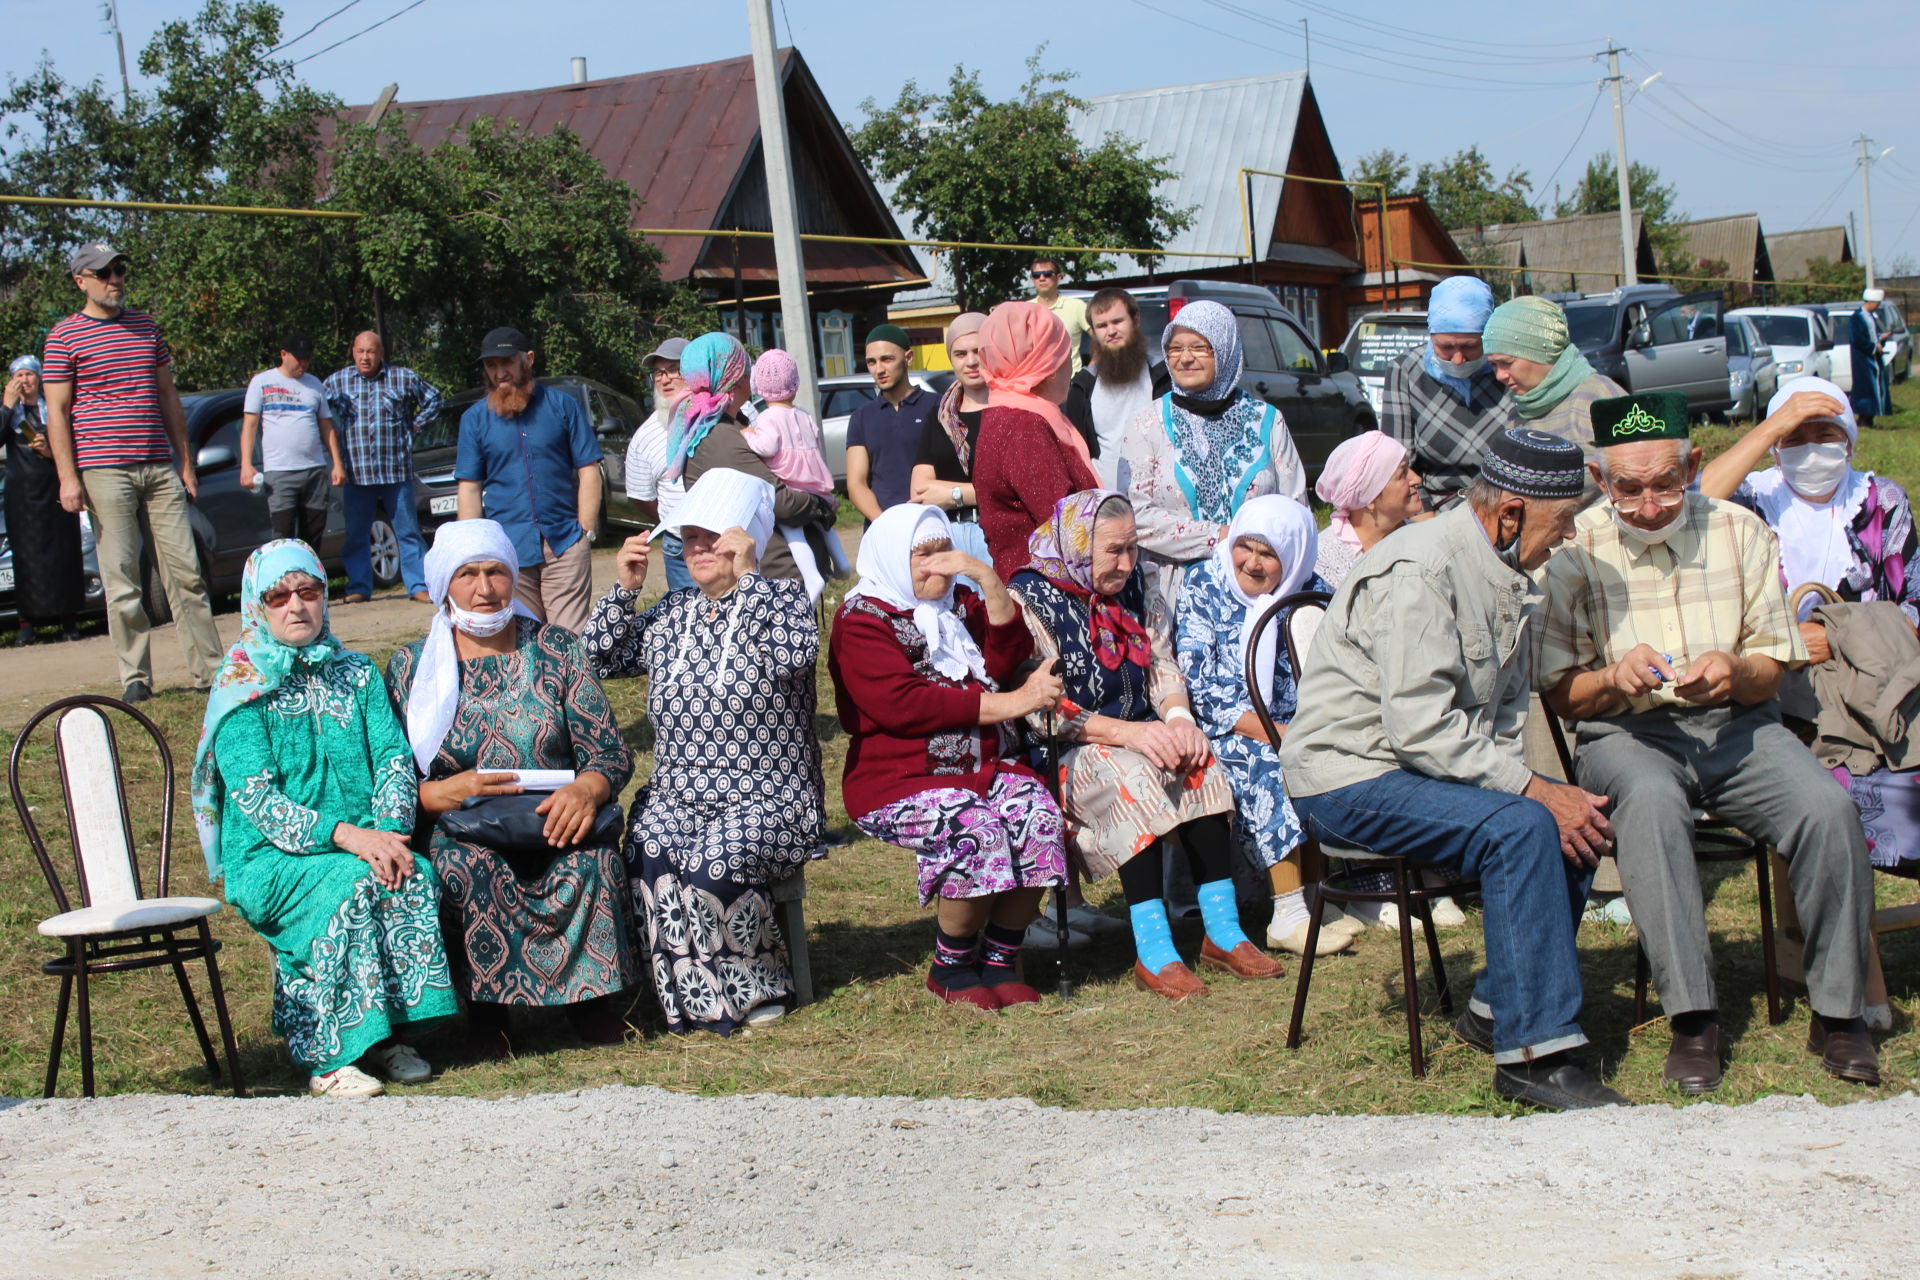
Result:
1529,327
890,333
1652,415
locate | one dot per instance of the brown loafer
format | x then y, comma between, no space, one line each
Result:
1244,961
353,597
1848,1055
1175,982
421,597
1693,1062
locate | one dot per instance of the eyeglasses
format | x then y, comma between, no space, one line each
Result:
665,371
278,596
113,271
1633,497
1043,275
1189,350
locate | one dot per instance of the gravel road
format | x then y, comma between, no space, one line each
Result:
617,1181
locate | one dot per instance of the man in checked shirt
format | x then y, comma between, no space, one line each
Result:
376,409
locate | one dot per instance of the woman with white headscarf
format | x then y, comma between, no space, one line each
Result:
926,679
1200,451
735,802
498,704
1267,555
1373,489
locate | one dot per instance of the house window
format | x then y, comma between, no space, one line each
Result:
836,344
749,336
1304,302
779,330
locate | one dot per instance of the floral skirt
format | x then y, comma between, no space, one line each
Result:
1118,803
1266,829
974,846
1889,805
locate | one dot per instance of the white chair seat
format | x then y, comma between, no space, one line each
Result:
1356,855
120,917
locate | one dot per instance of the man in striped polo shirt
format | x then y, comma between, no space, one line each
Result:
120,442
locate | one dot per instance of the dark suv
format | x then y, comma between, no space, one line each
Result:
1650,337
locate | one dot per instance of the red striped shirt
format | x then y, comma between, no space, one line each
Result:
116,398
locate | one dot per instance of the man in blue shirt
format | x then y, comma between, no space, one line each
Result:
883,436
377,408
528,458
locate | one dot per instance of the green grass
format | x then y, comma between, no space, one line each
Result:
875,1031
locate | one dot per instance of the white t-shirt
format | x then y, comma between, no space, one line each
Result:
290,411
646,459
1114,409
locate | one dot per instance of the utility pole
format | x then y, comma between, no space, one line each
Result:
1306,38
120,43
1628,271
1866,207
796,319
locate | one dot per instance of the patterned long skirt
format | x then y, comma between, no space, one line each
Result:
1118,803
536,931
974,846
700,873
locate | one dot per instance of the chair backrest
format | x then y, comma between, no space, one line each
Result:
1309,609
93,788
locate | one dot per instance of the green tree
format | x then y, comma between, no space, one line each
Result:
1463,191
1598,191
1013,172
1386,166
1825,282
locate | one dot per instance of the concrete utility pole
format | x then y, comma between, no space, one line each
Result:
120,44
1628,269
1866,207
796,319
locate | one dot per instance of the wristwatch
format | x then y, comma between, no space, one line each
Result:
956,497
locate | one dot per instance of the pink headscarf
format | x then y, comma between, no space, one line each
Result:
1022,344
1355,474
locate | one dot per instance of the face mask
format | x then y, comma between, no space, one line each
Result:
1647,537
1815,470
479,624
1464,369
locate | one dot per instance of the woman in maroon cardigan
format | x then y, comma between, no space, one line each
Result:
922,676
1029,455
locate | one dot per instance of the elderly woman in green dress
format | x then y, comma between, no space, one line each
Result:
303,793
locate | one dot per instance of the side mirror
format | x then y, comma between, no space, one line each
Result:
1338,362
1763,353
216,457
1638,336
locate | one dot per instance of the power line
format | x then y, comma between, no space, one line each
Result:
285,44
1427,41
363,31
1769,147
1591,108
1241,11
1845,178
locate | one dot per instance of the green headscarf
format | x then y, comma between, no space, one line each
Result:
1535,329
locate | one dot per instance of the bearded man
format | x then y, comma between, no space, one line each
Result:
1104,399
528,459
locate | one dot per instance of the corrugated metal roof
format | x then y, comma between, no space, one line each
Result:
1791,251
1209,131
1736,240
1580,253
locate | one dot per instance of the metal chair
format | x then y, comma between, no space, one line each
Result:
789,896
116,927
1413,898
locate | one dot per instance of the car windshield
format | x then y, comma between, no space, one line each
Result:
1375,344
1784,331
1592,324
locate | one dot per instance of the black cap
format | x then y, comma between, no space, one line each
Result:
298,345
504,342
1535,464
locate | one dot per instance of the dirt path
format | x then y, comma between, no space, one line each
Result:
620,1181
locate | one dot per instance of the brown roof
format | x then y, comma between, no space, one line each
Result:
1577,254
1735,240
1791,251
687,140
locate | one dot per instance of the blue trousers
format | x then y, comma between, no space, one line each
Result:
359,502
672,561
1531,896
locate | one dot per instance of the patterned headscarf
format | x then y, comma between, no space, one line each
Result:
948,412
1061,551
712,365
1216,324
255,666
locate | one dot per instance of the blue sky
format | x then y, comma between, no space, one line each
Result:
1755,110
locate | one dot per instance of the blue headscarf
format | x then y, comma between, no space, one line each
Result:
24,362
255,666
1459,304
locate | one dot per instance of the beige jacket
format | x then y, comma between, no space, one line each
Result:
1421,664
1869,690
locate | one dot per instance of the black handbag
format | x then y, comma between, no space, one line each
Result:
508,824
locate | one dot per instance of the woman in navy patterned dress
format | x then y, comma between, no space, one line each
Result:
735,800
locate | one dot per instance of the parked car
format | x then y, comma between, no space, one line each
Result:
93,602
840,396
1650,337
615,417
1896,355
1752,375
1797,335
1376,340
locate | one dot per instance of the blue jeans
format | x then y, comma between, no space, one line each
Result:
359,502
671,561
1531,896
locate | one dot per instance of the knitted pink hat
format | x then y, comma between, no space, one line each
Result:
775,375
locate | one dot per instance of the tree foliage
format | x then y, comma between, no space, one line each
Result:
1827,282
1013,172
1598,191
1463,191
1388,167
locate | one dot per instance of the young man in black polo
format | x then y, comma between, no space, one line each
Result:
883,436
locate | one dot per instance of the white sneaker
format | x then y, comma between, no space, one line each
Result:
1334,920
347,1082
1381,915
1446,913
761,1015
400,1063
1295,940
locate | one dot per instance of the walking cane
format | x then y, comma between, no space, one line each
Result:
1052,759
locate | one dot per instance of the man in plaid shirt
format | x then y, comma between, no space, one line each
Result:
376,409
1441,401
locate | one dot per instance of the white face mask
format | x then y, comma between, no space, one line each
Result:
1464,368
1815,470
1647,537
479,624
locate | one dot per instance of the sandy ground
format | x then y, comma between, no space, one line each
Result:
618,1180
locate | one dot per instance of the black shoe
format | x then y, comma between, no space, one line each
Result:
1553,1083
1845,1051
1693,1061
136,692
1475,1030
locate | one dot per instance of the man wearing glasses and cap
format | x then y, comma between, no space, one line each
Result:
646,480
1664,638
119,441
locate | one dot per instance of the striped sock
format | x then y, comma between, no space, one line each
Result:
1000,955
955,961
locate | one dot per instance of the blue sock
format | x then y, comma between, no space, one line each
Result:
1152,936
1220,908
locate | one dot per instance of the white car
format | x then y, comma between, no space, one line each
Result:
1376,340
1796,336
840,396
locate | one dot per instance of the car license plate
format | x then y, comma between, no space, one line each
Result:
444,506
6,579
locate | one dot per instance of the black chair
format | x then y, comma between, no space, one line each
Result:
1304,610
117,927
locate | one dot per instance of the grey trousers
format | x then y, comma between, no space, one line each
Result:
1742,764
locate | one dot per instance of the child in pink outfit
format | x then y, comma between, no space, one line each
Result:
789,440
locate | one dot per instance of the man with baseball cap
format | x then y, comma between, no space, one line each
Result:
377,409
1408,742
646,481
286,414
528,458
119,441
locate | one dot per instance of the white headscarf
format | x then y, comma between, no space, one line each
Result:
1287,527
723,499
435,695
886,577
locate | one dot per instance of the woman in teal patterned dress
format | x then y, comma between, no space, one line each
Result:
303,792
491,691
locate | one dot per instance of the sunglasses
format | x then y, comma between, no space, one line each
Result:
278,597
1043,275
117,271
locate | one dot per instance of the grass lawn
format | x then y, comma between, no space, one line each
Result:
875,1031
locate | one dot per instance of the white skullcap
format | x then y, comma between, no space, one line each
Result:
722,499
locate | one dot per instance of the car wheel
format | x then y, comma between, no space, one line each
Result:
384,544
153,591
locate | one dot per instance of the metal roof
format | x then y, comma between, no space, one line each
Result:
1791,251
1735,240
1580,253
